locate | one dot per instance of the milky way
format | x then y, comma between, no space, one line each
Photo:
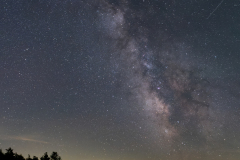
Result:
164,74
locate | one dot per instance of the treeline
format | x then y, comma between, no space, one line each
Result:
9,155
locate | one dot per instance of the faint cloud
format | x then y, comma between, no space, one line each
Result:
20,138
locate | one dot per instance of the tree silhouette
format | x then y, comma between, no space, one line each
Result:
29,158
1,154
45,157
18,157
34,158
9,155
55,156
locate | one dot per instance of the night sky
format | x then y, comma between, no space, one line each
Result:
121,79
